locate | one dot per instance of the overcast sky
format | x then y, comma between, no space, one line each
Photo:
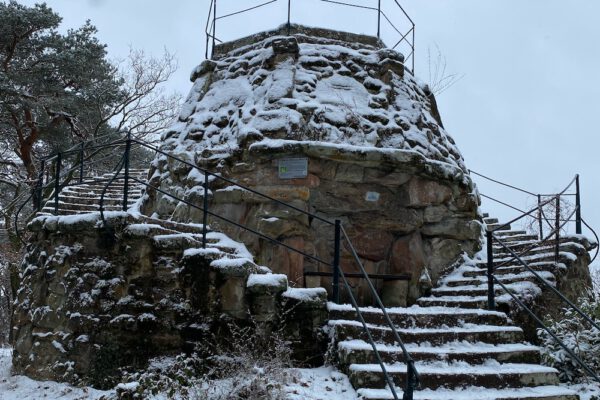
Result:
524,111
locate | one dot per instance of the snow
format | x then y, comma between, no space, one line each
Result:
489,367
23,388
309,294
474,393
457,347
323,383
340,103
267,280
416,310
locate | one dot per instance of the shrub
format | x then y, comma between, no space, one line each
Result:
578,335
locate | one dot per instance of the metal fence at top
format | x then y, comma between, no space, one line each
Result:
386,19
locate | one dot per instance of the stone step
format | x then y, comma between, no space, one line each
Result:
418,317
489,221
176,226
482,289
517,238
50,211
547,266
361,352
506,278
476,302
510,233
345,330
497,225
435,375
564,247
478,393
90,201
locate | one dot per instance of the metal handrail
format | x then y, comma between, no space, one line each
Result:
203,170
548,330
413,379
212,18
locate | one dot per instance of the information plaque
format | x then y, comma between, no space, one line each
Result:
293,168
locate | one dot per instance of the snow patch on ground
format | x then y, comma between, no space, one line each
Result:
23,388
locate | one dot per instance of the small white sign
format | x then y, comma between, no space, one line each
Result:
372,196
293,168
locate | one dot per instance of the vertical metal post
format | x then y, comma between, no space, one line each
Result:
379,19
81,163
540,224
490,270
57,181
557,229
212,51
578,207
205,209
336,262
413,50
289,23
411,381
126,180
40,185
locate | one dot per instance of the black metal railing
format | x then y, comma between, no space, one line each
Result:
551,240
403,32
556,203
341,240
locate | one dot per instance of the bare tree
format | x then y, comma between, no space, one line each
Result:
439,79
145,108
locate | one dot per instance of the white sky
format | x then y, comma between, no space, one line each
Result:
523,113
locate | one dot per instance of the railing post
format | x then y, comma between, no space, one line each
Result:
81,163
289,22
490,270
57,181
212,51
126,180
205,209
336,262
578,206
411,381
40,185
540,224
379,19
557,230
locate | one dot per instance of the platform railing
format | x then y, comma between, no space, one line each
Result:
404,31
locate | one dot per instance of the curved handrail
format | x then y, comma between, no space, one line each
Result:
111,180
597,239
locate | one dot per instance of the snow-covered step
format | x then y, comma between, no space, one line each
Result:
488,220
478,393
548,266
482,289
479,302
419,317
505,278
440,374
361,352
344,330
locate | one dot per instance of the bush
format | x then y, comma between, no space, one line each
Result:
578,335
245,366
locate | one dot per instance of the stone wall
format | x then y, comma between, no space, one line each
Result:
403,213
93,300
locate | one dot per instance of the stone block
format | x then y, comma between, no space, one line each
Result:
371,244
394,293
423,193
407,255
454,228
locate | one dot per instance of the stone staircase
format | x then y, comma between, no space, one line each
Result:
85,197
461,350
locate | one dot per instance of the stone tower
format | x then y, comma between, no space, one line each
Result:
332,123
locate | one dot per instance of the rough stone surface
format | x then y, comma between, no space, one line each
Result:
378,158
92,300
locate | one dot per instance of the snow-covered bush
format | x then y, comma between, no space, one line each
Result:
244,367
582,338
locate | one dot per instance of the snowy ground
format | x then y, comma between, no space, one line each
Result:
308,384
